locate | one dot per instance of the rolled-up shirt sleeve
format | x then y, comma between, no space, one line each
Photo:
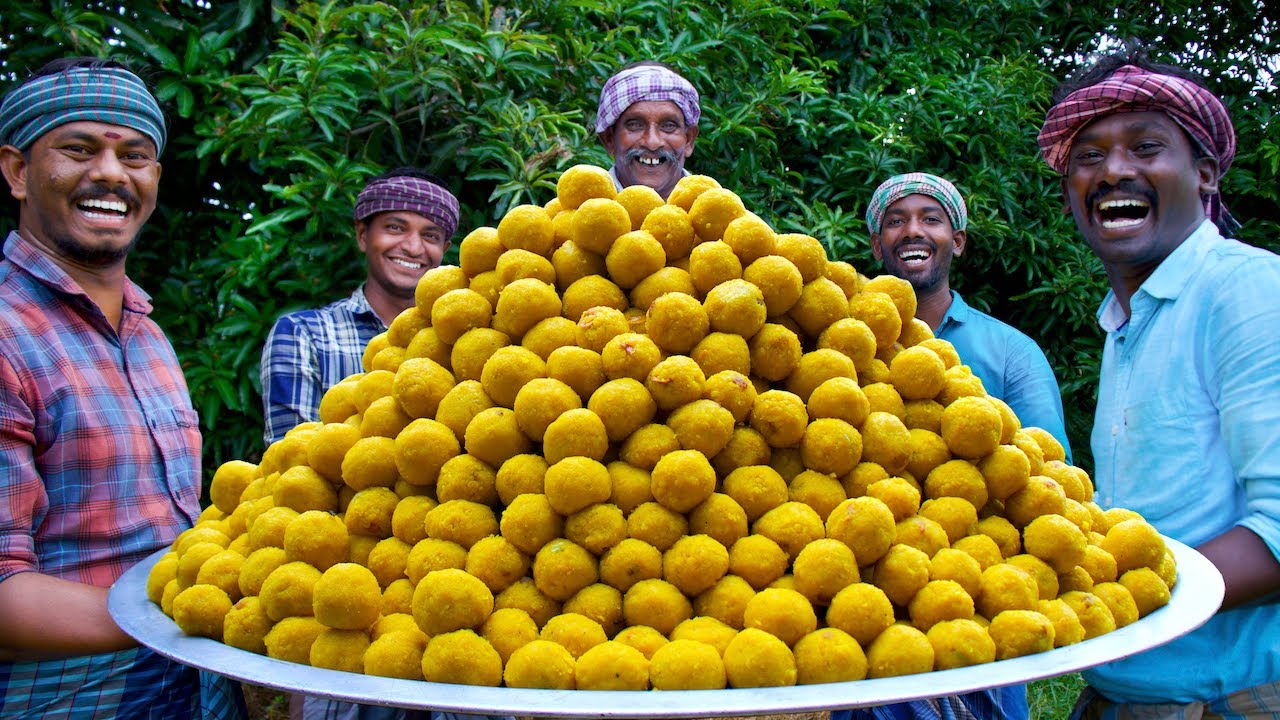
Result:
291,382
23,500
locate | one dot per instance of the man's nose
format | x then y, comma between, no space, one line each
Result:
652,136
1117,165
108,169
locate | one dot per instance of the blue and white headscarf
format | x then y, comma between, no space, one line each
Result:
99,94
917,183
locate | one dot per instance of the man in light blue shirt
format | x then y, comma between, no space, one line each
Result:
1189,395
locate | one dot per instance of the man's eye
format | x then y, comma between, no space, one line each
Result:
634,125
670,127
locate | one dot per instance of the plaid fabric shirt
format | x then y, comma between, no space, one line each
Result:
309,352
100,452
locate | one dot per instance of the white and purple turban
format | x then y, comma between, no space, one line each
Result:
99,94
917,183
645,83
405,192
1131,89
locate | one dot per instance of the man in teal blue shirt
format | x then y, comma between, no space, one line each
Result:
1186,430
918,223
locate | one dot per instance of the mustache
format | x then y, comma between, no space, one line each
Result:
637,153
97,192
1125,186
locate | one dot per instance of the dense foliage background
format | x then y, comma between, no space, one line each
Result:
280,111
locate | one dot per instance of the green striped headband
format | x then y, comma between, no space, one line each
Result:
917,183
109,95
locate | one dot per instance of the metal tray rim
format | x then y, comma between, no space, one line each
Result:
1195,598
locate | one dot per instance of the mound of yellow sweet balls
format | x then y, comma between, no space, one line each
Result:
629,444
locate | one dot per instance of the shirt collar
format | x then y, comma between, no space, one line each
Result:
1169,278
360,305
27,257
958,312
617,184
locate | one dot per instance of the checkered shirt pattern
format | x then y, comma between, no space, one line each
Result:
100,452
645,83
1132,89
98,440
309,352
413,194
109,95
917,183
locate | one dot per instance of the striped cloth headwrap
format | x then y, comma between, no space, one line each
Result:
414,194
1132,89
645,82
99,94
917,183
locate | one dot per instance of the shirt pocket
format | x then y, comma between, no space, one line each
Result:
177,433
1163,453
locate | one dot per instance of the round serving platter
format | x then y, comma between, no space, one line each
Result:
1195,599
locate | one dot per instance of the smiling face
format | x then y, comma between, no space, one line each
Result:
916,243
1134,186
649,144
400,247
85,190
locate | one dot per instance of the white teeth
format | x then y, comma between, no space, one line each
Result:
105,205
1122,223
913,255
407,264
1110,204
650,161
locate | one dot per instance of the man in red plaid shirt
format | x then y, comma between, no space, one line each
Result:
99,443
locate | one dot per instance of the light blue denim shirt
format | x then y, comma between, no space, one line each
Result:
1011,365
1187,433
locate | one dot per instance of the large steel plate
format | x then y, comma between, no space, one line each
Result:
1195,599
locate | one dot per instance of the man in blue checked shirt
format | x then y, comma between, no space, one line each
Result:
404,220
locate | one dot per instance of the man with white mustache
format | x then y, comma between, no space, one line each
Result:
404,219
648,120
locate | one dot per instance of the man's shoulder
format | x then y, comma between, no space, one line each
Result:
975,321
341,311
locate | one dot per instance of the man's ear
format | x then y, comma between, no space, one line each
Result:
876,250
14,167
362,227
1066,201
606,139
1207,172
691,134
958,240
